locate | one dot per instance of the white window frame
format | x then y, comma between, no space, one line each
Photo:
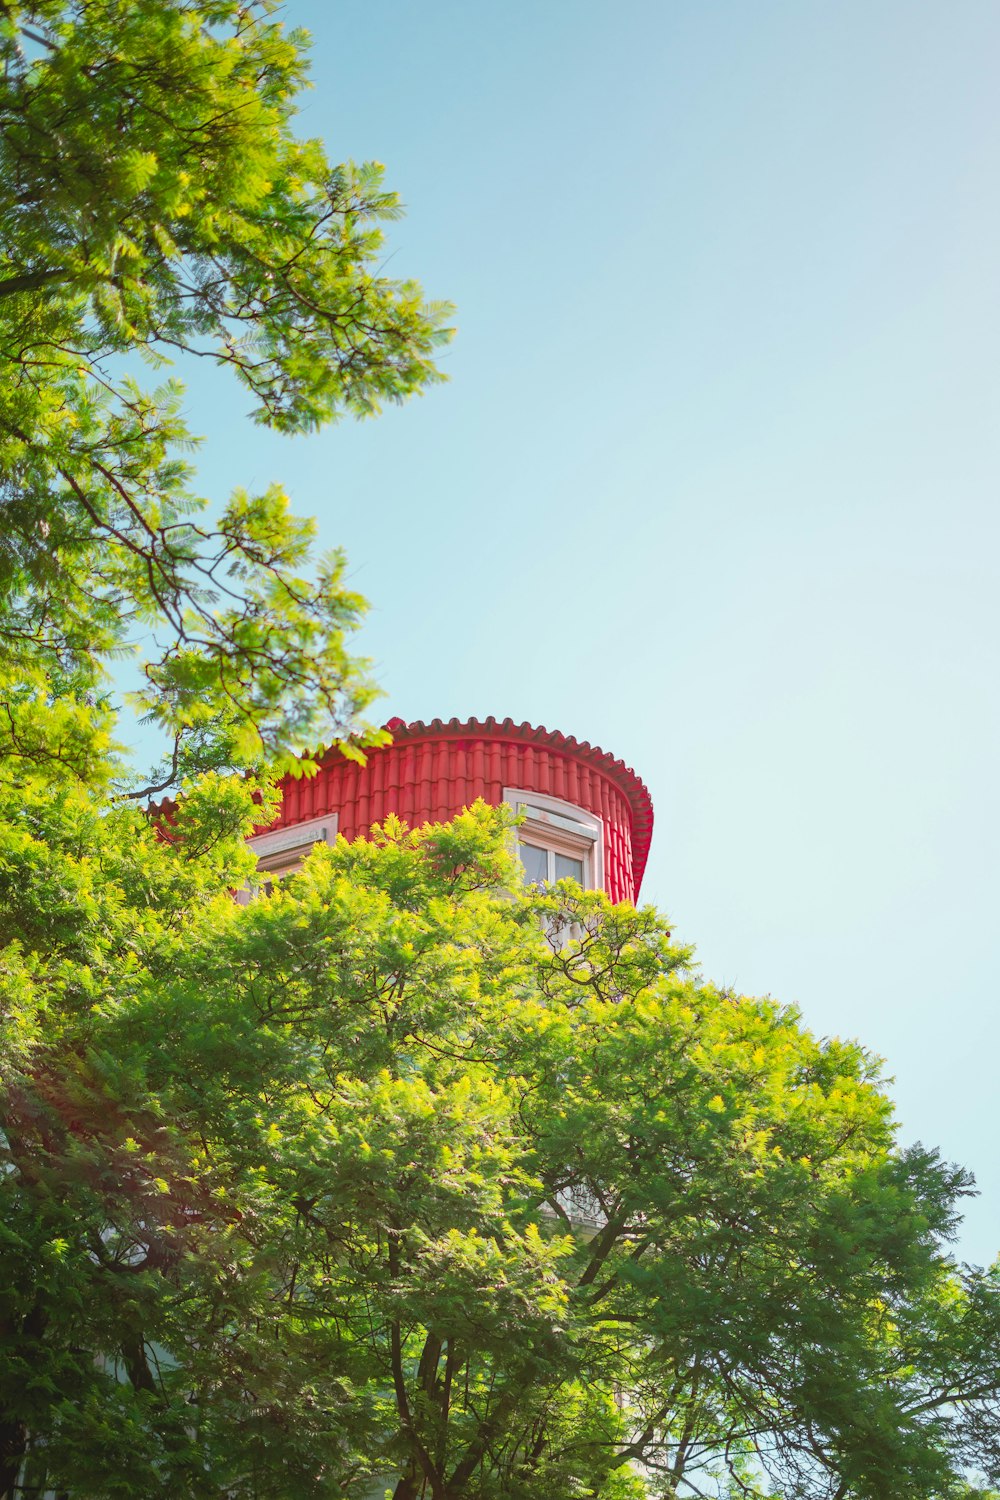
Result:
560,827
282,850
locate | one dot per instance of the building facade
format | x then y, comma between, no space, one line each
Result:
585,814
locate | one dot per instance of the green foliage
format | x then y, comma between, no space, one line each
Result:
156,203
406,1178
377,1183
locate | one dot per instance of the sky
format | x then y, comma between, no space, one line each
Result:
712,482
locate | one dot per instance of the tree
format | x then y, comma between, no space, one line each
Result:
155,203
406,1177
377,1184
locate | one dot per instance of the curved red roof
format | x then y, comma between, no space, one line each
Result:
526,735
431,770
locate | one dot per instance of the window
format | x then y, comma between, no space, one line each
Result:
557,841
281,852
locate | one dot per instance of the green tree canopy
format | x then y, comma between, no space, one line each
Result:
155,203
379,1184
407,1178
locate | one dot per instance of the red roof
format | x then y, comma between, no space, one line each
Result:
422,780
505,730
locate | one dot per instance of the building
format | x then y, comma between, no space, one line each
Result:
586,815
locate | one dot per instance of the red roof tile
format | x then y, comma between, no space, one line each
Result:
422,781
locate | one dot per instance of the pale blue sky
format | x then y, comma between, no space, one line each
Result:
714,480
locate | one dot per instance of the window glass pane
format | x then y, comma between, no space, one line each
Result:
535,862
569,869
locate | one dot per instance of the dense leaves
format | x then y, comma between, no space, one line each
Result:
155,204
385,1182
406,1179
